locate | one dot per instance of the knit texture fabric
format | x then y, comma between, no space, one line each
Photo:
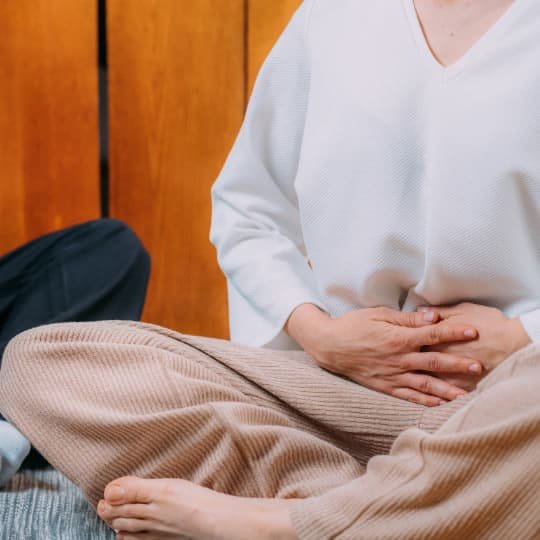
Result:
103,400
477,476
44,505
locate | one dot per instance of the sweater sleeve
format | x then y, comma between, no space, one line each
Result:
255,218
470,479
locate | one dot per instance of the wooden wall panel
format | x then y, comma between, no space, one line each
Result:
176,94
266,21
48,117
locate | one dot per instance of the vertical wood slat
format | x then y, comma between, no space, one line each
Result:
48,117
266,21
176,95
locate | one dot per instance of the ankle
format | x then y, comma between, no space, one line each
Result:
273,520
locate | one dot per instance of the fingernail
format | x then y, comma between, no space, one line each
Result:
423,308
116,492
429,316
475,368
470,332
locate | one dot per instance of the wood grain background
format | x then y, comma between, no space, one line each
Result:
180,72
266,20
48,117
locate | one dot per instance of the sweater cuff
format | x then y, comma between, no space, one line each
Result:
332,513
531,323
322,517
253,326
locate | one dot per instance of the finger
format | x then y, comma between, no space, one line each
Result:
411,319
414,396
467,382
444,311
439,362
426,384
440,333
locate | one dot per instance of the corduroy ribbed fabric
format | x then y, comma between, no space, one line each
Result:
476,477
103,400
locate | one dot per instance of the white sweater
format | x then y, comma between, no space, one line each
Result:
401,181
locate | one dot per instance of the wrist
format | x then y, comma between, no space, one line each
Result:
308,325
264,519
517,335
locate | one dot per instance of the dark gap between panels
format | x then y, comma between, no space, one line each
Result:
103,107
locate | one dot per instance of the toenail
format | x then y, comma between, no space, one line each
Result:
116,492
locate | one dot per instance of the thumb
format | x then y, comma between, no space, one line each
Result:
415,319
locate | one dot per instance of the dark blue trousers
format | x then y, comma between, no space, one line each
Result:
95,271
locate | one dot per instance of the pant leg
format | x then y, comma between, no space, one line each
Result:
93,271
112,398
477,476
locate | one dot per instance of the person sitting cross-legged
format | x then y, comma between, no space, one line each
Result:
377,220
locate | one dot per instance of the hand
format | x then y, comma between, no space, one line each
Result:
380,348
498,336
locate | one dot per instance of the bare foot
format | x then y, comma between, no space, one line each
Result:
172,508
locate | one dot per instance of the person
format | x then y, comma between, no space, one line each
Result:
91,271
378,212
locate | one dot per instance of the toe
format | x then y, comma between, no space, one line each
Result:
139,536
129,525
107,511
103,509
128,489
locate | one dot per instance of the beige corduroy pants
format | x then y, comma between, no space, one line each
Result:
103,400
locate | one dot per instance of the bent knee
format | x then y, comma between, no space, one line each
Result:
26,349
115,235
35,349
46,353
22,366
120,239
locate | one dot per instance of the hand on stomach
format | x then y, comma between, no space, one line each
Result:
384,349
498,337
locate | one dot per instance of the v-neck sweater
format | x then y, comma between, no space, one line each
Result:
366,174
